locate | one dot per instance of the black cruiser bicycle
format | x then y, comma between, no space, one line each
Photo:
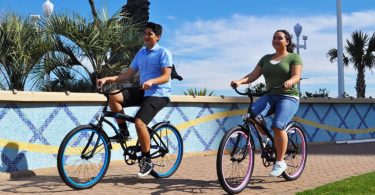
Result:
235,157
85,152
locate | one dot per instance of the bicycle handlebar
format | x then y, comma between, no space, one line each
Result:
250,94
113,91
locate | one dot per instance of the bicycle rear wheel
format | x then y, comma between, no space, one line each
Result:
83,157
166,150
296,153
235,160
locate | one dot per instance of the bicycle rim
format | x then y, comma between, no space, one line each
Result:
235,161
166,151
83,158
296,154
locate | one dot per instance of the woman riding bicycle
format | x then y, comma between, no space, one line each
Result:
282,68
154,64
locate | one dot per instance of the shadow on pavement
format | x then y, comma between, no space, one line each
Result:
344,149
161,186
36,185
53,184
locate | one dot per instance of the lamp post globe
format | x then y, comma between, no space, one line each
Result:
47,8
297,29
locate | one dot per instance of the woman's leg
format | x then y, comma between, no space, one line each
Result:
285,108
281,143
260,109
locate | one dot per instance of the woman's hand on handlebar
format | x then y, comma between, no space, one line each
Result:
287,84
235,84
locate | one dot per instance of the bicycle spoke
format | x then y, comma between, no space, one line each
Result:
83,158
296,153
166,150
234,161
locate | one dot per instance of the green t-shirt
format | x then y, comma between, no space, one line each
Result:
276,74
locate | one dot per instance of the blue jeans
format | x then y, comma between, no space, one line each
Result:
283,108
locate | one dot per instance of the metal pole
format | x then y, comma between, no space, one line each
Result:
299,82
298,46
340,52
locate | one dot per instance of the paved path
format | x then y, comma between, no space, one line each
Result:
197,175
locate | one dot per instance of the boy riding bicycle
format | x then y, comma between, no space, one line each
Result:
154,64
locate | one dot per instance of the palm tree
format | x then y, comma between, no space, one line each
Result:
22,47
360,51
93,9
106,45
137,10
200,92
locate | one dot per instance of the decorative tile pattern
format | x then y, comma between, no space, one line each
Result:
30,134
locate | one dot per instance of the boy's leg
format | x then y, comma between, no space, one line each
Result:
149,108
143,135
115,103
129,97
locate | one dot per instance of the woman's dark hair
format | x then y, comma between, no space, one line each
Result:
291,45
156,28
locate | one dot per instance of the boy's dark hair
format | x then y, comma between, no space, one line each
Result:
156,28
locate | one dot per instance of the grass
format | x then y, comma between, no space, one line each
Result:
362,184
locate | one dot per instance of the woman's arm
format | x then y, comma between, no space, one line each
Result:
296,76
254,75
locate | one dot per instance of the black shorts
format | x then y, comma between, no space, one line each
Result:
149,106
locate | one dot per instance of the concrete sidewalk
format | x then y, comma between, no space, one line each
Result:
326,163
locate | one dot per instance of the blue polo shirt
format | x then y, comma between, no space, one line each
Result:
149,64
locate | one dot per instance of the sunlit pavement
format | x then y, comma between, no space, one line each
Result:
197,175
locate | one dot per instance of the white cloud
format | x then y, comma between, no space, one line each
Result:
171,17
214,52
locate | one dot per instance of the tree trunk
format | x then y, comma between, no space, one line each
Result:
137,10
93,11
361,83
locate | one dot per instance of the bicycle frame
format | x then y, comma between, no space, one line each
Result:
250,122
108,114
270,157
90,144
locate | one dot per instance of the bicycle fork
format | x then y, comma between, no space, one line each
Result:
239,149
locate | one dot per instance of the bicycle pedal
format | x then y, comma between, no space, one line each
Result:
264,155
117,140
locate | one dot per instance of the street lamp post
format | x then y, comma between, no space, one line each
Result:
340,52
297,31
47,10
34,20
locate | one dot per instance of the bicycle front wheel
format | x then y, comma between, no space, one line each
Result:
166,150
296,154
83,157
235,160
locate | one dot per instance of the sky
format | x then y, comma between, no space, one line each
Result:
216,41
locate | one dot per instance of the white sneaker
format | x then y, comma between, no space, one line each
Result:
278,169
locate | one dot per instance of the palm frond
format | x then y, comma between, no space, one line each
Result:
22,48
199,92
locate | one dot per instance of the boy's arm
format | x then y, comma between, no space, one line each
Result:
163,78
125,76
121,77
